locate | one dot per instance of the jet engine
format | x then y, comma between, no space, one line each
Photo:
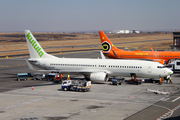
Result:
99,76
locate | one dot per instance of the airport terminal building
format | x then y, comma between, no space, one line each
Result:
176,39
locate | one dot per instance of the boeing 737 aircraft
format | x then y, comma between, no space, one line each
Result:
111,51
95,69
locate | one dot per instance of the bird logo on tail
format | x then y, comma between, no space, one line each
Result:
106,46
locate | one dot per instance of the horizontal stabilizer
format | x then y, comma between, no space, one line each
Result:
30,66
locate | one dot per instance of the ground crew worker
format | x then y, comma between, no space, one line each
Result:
134,76
167,79
68,78
170,80
55,77
61,76
160,81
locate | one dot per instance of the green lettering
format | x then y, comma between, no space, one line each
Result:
40,53
28,35
31,40
33,43
36,47
38,50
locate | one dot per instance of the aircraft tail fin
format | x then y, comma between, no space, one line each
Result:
151,48
35,49
107,45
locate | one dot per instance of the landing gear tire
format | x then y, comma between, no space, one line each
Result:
65,89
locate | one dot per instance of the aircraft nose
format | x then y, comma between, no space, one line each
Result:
170,72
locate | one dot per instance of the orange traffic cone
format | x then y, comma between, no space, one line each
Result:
32,87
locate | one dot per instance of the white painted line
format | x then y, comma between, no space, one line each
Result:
176,99
158,119
167,115
164,115
166,99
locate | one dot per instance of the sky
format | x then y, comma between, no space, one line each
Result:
89,15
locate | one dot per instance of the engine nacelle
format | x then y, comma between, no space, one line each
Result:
99,76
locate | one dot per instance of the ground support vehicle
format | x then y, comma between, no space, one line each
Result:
76,85
115,81
24,76
39,76
51,76
174,65
58,78
157,80
134,81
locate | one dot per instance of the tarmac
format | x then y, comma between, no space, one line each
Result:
46,101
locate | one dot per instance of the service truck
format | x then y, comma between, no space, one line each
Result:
115,81
174,65
77,85
51,76
39,76
134,81
58,78
24,76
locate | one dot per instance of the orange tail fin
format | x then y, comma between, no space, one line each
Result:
106,43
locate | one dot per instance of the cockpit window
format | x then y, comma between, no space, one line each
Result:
160,66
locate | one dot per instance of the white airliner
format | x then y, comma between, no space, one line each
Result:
94,69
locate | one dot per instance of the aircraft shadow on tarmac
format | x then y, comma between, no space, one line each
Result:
176,75
42,84
173,118
9,75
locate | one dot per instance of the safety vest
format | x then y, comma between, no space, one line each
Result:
68,78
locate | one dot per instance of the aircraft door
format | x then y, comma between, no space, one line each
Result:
149,68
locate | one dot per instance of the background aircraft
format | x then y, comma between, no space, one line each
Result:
95,69
111,51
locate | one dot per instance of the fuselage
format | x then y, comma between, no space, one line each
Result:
113,67
149,55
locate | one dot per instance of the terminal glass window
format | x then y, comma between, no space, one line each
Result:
176,41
